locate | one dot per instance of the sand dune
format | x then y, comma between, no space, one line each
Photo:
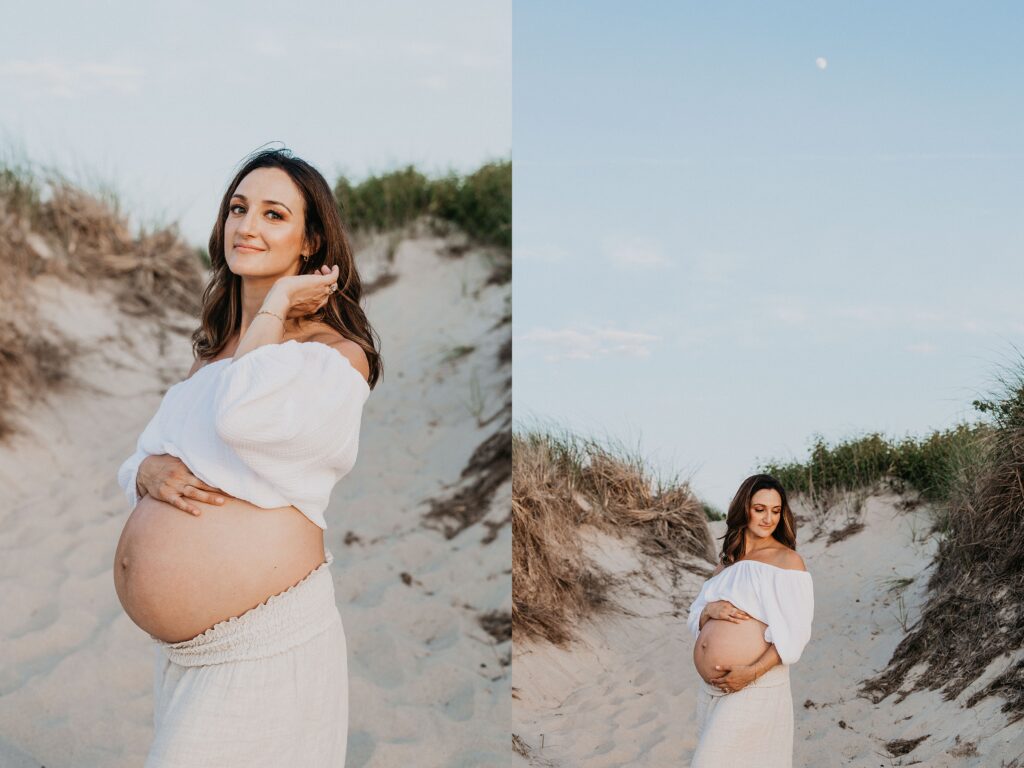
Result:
626,694
429,678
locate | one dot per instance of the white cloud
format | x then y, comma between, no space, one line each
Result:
716,267
68,80
637,252
434,83
265,41
789,313
588,343
921,319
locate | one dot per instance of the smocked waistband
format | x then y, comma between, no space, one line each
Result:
280,623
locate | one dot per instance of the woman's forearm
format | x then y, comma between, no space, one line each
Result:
767,660
703,618
264,328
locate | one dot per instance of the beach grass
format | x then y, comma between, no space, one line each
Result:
479,203
974,612
972,476
563,482
74,230
929,465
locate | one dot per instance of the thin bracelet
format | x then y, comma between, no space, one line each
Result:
268,312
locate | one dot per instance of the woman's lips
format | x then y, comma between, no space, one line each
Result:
247,248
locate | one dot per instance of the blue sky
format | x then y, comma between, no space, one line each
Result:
162,101
724,246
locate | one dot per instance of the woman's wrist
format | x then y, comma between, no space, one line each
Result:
278,302
140,489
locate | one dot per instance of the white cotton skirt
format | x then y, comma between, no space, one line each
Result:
267,689
751,728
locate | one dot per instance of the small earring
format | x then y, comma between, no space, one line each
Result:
305,257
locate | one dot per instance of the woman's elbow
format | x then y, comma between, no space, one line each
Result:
788,655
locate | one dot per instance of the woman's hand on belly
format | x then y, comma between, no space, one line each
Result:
734,677
723,610
723,643
168,479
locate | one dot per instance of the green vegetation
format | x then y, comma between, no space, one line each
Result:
481,203
931,464
712,512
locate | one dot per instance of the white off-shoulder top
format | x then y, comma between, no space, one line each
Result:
279,426
781,598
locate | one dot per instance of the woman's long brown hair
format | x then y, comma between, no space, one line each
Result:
734,542
221,315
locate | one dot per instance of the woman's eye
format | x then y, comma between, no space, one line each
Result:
239,205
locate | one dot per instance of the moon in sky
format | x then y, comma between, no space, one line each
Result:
821,62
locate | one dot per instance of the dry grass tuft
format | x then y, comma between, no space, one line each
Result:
560,483
899,747
151,271
497,624
488,469
53,227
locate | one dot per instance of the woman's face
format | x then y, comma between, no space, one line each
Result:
267,212
765,512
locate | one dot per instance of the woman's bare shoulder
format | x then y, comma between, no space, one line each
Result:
780,556
787,558
350,349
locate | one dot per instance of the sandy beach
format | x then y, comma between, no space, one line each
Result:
625,693
425,599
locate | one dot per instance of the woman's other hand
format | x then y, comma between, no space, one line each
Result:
302,295
726,611
167,478
733,678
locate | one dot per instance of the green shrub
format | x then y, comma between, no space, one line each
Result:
481,203
930,465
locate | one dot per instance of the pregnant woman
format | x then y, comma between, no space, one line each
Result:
222,561
752,619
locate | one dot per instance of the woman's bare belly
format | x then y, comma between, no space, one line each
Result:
725,643
177,574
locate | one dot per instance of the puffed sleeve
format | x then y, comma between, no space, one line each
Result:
150,442
788,600
693,620
289,407
127,474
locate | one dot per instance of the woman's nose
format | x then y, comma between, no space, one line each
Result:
248,223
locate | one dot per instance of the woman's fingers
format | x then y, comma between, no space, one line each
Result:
202,492
184,506
326,271
194,492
